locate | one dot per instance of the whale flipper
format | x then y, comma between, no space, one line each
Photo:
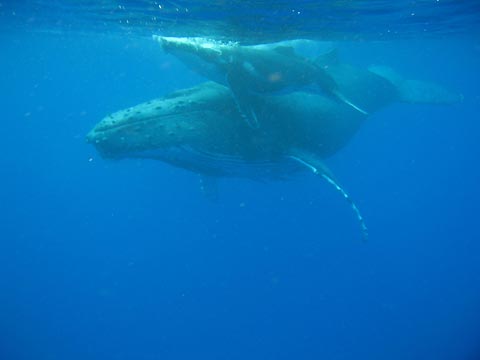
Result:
243,100
342,98
327,83
319,168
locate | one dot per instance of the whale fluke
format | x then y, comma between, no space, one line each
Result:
416,91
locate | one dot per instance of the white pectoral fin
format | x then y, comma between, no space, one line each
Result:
246,111
342,98
243,100
328,84
317,166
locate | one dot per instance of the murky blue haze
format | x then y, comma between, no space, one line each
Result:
127,259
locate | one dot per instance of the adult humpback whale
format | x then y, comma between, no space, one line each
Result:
200,129
250,70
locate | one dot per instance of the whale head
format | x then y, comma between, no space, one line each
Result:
205,56
178,119
198,129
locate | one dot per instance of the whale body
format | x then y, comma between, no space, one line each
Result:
200,129
253,70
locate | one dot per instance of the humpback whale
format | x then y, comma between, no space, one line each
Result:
252,70
200,129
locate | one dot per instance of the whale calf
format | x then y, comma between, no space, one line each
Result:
252,70
200,129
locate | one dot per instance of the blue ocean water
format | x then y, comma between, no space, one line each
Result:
128,260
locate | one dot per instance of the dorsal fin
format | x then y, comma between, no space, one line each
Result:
327,59
285,50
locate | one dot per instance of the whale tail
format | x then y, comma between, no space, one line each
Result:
416,91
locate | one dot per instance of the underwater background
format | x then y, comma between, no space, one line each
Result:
128,259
